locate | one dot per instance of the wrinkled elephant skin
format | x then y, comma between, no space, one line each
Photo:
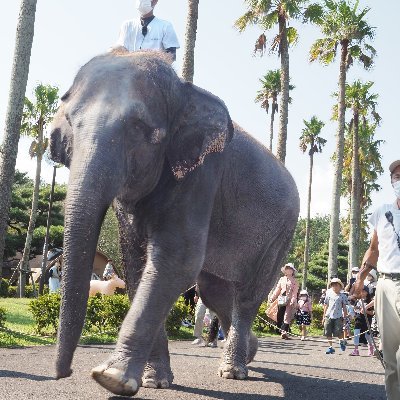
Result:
197,199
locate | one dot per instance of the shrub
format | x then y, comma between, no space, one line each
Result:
12,291
179,312
2,317
259,324
106,312
318,310
46,311
29,291
4,288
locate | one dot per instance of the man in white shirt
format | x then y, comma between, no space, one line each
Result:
384,252
148,31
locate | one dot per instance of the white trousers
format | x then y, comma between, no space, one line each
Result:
200,313
387,306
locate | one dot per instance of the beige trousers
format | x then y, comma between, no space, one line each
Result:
387,306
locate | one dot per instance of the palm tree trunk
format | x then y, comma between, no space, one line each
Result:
19,77
355,213
271,127
284,107
308,221
190,40
24,264
337,180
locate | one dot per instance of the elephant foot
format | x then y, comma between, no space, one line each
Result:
115,380
229,371
157,375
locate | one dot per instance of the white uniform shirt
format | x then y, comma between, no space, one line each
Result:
389,252
160,35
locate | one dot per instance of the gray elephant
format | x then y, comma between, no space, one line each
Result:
198,199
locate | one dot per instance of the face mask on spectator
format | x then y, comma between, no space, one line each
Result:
143,6
396,188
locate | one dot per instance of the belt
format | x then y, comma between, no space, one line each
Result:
393,277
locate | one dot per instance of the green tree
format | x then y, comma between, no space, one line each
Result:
190,40
363,106
19,215
271,89
36,117
310,140
269,15
19,78
108,242
342,26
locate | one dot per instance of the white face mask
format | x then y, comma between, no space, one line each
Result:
354,275
396,188
144,7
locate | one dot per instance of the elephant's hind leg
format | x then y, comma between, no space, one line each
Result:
219,295
157,373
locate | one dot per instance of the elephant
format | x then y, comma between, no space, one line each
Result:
198,200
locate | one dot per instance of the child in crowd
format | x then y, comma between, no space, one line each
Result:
334,312
350,316
303,315
360,324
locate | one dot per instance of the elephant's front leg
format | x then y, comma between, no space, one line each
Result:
165,276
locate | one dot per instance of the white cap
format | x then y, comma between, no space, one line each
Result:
304,291
336,280
290,265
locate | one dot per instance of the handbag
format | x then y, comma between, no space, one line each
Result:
283,299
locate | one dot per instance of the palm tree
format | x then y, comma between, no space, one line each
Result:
271,88
19,78
35,119
311,140
363,104
342,25
190,40
268,15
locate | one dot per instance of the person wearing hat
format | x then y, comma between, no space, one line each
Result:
148,32
371,281
285,294
383,254
335,311
303,315
349,286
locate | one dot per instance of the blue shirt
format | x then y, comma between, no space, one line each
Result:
335,304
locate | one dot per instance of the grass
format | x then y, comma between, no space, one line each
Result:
20,319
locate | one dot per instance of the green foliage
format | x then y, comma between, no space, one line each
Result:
108,242
12,291
46,310
4,288
106,313
259,324
178,312
19,215
3,317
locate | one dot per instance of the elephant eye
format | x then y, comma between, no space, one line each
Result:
141,126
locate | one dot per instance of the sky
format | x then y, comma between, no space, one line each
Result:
68,33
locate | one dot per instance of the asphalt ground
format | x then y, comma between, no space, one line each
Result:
283,369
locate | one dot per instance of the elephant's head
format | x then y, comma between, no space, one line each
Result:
125,120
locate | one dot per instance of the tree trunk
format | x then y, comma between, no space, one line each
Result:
337,180
355,212
284,107
24,263
19,77
46,239
190,40
271,128
308,222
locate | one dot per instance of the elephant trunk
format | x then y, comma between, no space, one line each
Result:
89,196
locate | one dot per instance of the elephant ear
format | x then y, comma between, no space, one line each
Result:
203,127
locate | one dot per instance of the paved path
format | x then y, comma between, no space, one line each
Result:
289,370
